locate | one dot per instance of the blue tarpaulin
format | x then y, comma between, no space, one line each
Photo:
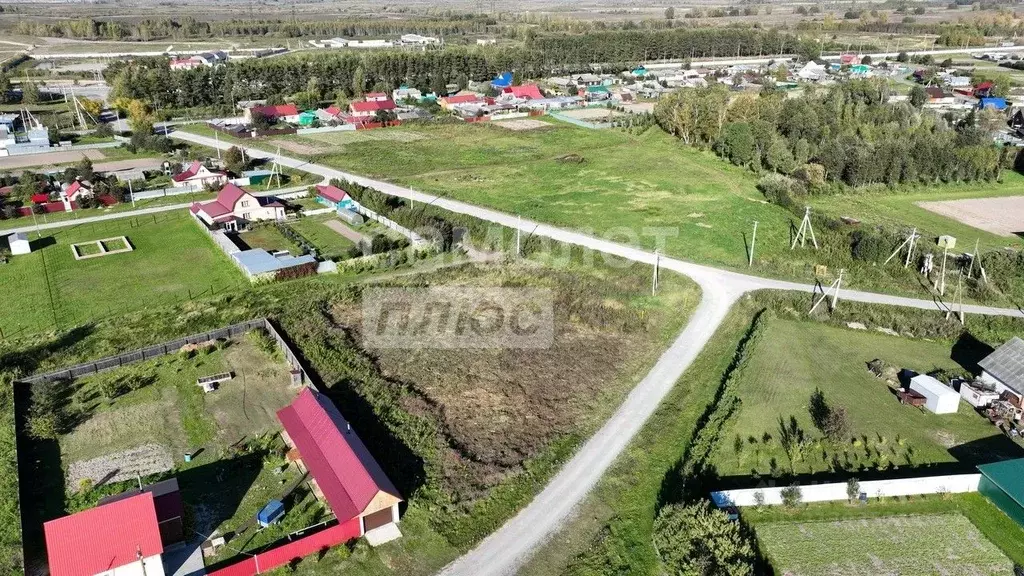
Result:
997,103
504,80
270,513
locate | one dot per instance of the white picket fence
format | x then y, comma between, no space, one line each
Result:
325,129
950,484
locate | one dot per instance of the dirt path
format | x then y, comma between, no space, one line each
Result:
343,229
48,158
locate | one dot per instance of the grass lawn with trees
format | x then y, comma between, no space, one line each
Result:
796,359
172,261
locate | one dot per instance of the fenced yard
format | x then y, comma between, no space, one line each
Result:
904,545
171,262
775,432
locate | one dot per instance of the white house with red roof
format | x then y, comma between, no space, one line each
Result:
233,207
197,175
77,190
369,108
461,98
283,112
376,97
523,92
121,538
344,473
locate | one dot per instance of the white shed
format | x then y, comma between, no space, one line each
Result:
939,398
19,243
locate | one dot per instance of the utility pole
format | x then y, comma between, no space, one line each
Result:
519,233
131,192
753,240
216,136
805,228
942,278
909,244
654,280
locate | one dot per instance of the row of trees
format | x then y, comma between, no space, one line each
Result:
189,28
326,75
849,134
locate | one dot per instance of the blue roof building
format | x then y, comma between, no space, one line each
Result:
270,513
997,103
503,80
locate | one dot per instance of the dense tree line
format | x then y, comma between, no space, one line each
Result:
850,134
949,34
345,73
642,45
191,28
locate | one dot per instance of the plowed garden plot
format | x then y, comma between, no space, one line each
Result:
905,546
157,412
1001,216
502,407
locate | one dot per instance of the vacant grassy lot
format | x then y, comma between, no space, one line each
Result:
611,533
505,406
796,358
905,545
901,209
173,260
622,186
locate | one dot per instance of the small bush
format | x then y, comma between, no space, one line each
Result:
791,496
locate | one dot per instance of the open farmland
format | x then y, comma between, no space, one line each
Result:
172,261
905,545
774,431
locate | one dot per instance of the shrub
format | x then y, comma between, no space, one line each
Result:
791,495
700,539
261,339
852,489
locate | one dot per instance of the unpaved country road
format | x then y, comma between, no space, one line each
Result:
505,550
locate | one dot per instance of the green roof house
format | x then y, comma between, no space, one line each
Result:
1003,484
639,71
307,118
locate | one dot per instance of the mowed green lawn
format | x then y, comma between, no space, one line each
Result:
330,243
904,545
794,358
172,261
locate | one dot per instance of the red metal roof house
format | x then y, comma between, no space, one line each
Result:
77,189
122,536
286,112
524,92
370,107
196,174
344,472
234,206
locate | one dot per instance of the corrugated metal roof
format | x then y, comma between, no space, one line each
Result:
259,261
1007,364
104,537
337,459
1008,475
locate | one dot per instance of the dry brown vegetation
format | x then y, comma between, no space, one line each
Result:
501,407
